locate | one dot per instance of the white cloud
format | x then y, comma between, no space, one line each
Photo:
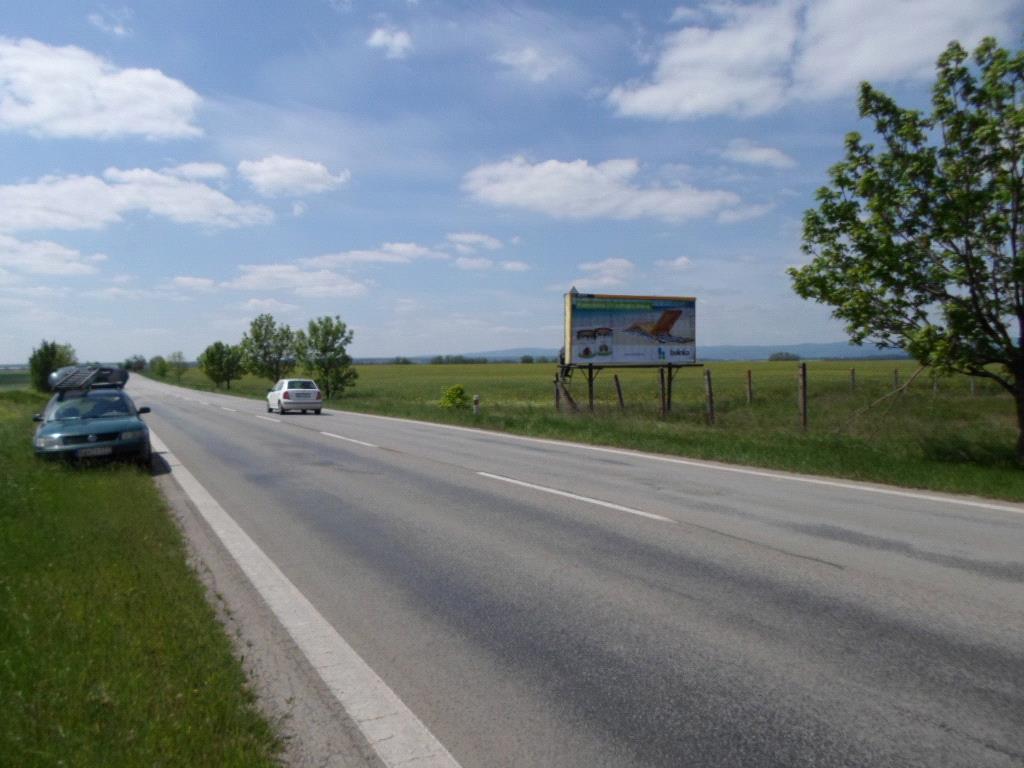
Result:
470,242
267,305
198,171
736,68
473,263
676,265
532,64
387,253
749,153
70,92
277,176
112,22
42,257
578,190
88,202
751,59
299,208
745,213
200,284
312,283
847,41
396,42
515,266
608,273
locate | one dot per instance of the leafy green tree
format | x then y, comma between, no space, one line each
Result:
783,357
915,244
322,351
526,359
135,363
177,365
47,358
268,350
222,363
158,366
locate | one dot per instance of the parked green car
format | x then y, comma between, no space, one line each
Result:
91,416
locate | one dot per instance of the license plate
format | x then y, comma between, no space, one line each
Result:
302,395
101,450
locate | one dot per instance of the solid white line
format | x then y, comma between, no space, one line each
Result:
233,410
348,439
395,733
767,474
267,418
577,497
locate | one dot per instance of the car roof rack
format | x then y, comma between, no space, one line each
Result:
85,377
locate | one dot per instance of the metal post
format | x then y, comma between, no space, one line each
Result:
590,385
750,387
618,390
669,375
476,405
558,395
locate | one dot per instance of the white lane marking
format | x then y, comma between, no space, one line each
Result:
348,439
577,497
232,410
267,418
809,480
395,733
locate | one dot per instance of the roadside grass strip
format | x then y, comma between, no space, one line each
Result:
109,653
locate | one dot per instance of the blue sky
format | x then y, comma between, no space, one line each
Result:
436,173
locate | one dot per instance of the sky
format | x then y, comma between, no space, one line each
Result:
438,174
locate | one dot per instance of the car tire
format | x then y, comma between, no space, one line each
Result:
269,408
317,411
280,408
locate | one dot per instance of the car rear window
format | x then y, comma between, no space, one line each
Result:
301,384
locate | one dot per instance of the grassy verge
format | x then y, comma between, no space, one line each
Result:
937,435
109,653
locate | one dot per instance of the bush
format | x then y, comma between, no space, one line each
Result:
455,397
782,357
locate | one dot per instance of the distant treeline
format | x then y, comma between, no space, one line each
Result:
450,360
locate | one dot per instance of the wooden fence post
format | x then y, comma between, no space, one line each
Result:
973,390
853,379
590,386
558,396
710,395
668,388
895,378
750,387
618,391
802,395
661,389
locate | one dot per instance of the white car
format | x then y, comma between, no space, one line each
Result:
294,395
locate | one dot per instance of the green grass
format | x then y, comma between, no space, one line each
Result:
948,440
14,379
109,653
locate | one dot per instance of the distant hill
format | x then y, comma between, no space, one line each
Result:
809,351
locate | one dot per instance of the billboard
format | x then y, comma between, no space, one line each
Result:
606,329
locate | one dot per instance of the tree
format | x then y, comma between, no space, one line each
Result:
321,349
46,359
783,357
158,366
916,244
177,365
221,362
135,363
268,350
526,359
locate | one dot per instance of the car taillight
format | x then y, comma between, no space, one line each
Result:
317,395
287,396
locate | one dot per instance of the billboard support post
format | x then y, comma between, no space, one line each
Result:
618,391
661,389
558,396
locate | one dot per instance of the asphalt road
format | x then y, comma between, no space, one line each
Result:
544,604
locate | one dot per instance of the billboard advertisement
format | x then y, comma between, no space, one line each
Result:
605,329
